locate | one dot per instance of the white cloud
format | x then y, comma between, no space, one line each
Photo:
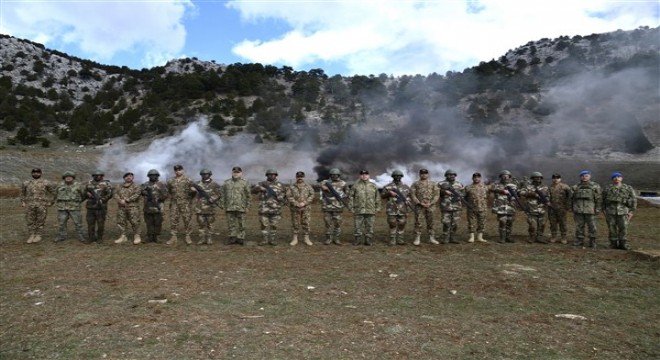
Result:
409,37
101,30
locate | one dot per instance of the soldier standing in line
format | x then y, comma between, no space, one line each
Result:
99,192
586,204
208,198
154,193
560,200
451,204
503,205
272,197
181,192
300,196
424,194
537,199
397,194
476,194
128,208
70,194
333,201
619,204
364,202
37,195
236,197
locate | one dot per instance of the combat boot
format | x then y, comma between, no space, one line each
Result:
264,239
367,241
452,238
480,238
592,243
614,244
294,241
328,240
417,240
502,239
335,239
623,245
122,239
137,239
272,240
357,241
30,240
432,240
553,238
307,241
209,238
188,240
393,239
202,237
172,241
399,239
563,239
471,238
36,239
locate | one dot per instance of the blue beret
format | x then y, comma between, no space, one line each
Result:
616,174
585,172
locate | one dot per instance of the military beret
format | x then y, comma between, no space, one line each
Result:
236,169
585,172
300,174
616,174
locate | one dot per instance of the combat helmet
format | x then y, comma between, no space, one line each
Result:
271,172
153,172
397,173
536,174
450,172
69,173
335,171
505,172
97,172
205,172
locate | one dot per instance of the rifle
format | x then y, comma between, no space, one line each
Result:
95,196
151,199
204,194
400,198
514,194
334,193
270,193
456,195
543,198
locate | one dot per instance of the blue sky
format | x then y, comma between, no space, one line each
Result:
342,37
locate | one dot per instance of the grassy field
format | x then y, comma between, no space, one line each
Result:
468,301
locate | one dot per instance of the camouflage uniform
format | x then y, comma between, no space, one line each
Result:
69,197
36,196
128,209
332,209
154,194
503,208
535,210
450,209
300,196
205,209
560,198
270,209
181,196
397,209
98,195
236,197
364,202
424,194
619,203
586,203
477,196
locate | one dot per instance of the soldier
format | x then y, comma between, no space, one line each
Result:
560,200
424,195
398,203
586,203
99,192
619,203
236,197
333,201
128,208
364,202
272,197
37,195
300,196
503,205
208,198
451,204
155,193
181,192
476,194
70,194
537,198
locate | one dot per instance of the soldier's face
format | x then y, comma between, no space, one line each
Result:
364,177
450,177
397,178
424,176
128,179
476,179
206,177
556,180
271,177
153,178
505,178
68,179
585,177
334,177
536,180
300,180
236,174
98,178
617,180
178,172
36,175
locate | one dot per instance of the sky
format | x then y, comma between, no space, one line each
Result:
394,37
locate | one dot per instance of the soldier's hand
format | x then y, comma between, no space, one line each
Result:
392,193
192,188
325,188
22,203
630,216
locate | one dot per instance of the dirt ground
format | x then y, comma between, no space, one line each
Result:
467,301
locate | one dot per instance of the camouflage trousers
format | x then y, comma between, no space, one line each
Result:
476,220
63,217
450,221
269,223
557,220
332,221
535,226
300,220
154,225
236,224
582,221
95,223
425,214
505,226
128,216
364,225
205,223
617,226
397,223
35,217
180,211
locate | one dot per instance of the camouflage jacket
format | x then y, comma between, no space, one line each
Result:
450,202
586,198
206,204
328,200
155,194
394,205
130,193
363,198
619,200
299,194
38,192
560,196
236,195
98,194
503,204
69,196
179,189
424,192
533,195
477,196
272,196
